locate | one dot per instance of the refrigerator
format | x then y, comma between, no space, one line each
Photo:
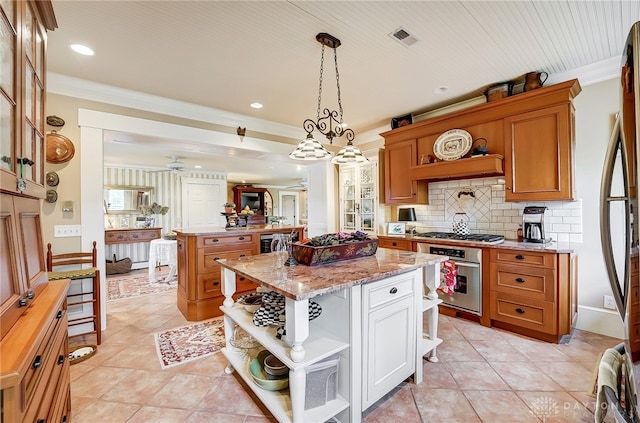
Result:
619,369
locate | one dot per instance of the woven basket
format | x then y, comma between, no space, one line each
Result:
119,266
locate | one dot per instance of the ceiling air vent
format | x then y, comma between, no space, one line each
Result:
403,36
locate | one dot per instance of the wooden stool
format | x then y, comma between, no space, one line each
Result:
58,260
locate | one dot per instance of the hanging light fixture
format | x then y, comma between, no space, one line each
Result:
331,124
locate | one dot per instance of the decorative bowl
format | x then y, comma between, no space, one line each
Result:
274,368
313,256
260,377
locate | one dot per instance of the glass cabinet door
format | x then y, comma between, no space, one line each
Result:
358,198
348,199
367,198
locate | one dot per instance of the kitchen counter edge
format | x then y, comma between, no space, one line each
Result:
217,230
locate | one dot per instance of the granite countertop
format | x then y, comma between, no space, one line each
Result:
302,282
219,230
552,247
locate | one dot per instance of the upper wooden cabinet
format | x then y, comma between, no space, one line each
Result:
530,137
23,31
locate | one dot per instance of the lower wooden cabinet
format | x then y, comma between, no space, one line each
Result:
34,370
533,292
395,243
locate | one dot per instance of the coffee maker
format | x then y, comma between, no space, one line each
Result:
533,224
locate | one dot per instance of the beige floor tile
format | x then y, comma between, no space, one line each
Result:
104,412
398,406
137,387
458,350
436,375
230,395
497,350
476,376
525,377
444,405
571,376
149,414
205,417
172,394
538,351
135,357
99,380
500,407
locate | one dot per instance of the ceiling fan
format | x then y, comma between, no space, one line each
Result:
302,185
174,166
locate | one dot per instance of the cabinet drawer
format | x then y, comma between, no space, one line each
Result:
523,312
529,281
531,258
393,290
398,244
144,236
60,361
210,285
207,258
212,241
115,237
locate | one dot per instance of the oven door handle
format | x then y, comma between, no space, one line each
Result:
467,264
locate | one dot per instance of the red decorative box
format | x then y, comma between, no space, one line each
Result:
313,256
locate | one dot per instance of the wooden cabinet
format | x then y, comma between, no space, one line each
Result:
534,131
395,243
256,198
199,274
23,28
539,155
399,188
131,236
533,292
388,336
34,371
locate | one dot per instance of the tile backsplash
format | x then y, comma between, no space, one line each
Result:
483,202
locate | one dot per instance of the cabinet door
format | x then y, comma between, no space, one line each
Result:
348,199
399,188
389,346
30,244
538,155
11,281
368,203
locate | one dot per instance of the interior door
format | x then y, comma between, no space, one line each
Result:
202,201
289,207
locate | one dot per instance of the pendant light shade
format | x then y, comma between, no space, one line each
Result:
310,149
349,154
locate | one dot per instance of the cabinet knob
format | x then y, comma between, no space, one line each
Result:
519,310
61,359
519,257
241,238
520,280
41,421
37,362
59,315
30,294
395,244
393,290
22,302
216,283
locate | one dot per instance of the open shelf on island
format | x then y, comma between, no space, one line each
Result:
320,343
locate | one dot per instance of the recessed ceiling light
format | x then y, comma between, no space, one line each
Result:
84,50
441,89
256,105
197,166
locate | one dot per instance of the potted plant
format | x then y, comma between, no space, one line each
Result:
149,212
229,207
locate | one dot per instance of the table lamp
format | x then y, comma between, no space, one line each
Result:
408,215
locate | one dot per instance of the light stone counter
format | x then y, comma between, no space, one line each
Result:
303,282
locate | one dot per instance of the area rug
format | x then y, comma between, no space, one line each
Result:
187,343
136,284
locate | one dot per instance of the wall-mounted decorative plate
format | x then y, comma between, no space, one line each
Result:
52,196
452,144
59,148
52,179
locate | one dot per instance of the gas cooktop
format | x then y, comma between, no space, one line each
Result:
483,238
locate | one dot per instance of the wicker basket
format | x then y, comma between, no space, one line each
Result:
118,266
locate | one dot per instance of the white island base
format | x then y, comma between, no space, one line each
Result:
375,326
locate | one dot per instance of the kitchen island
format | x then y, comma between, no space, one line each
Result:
371,320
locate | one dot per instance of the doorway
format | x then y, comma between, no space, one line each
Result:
201,201
289,206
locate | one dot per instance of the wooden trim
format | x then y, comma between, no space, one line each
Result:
47,14
472,167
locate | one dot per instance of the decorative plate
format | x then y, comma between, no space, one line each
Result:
452,144
52,179
60,149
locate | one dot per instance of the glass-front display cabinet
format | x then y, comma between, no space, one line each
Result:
358,197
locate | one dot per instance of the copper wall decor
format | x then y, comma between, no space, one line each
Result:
60,149
52,179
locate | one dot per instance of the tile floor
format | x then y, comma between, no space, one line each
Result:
484,375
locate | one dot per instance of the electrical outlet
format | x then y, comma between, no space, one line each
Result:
61,231
609,302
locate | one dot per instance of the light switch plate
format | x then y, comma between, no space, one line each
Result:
62,231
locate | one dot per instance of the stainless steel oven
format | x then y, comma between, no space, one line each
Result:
467,294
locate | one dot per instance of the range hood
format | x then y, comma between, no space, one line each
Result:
473,167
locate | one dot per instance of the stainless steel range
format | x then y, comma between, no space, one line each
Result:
467,294
450,236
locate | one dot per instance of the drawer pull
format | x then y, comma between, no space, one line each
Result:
242,255
216,258
37,362
520,280
241,238
64,419
61,359
22,302
215,240
393,290
41,421
134,235
59,315
216,283
30,294
519,310
519,257
395,244
242,278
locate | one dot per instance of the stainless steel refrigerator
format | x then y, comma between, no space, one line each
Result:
619,370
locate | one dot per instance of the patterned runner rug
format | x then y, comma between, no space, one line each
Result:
136,283
187,343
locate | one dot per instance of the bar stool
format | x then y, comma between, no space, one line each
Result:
80,258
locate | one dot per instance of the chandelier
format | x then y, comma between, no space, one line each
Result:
330,124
